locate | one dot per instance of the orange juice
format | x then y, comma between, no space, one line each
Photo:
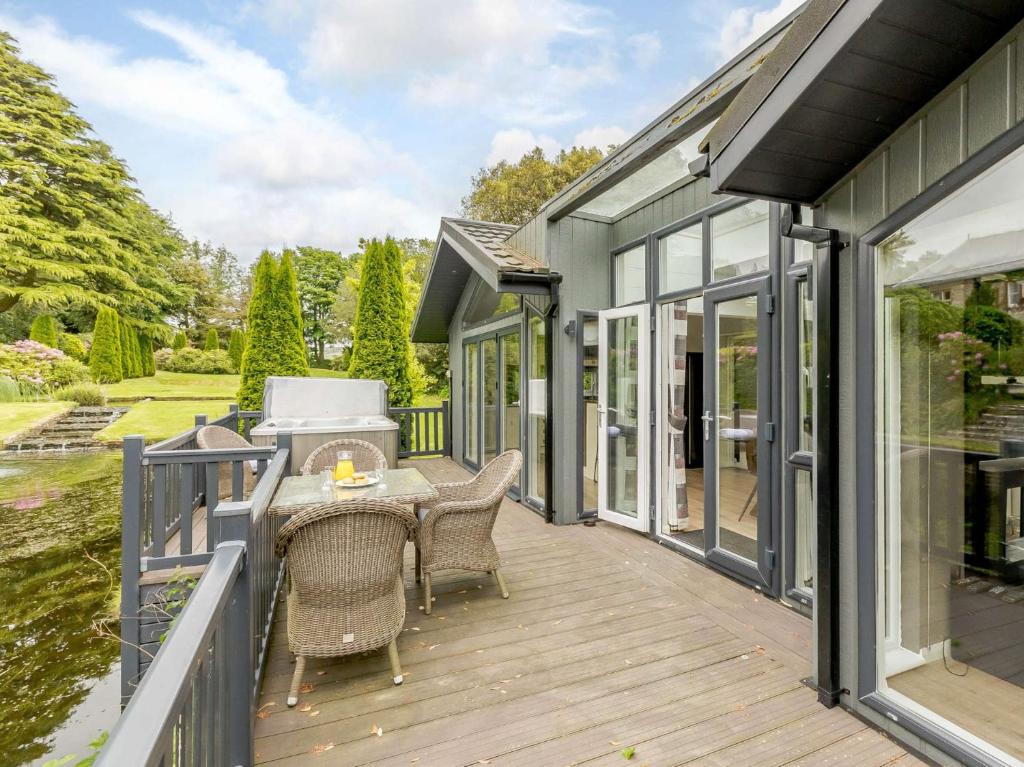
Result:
343,469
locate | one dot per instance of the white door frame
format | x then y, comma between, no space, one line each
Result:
642,313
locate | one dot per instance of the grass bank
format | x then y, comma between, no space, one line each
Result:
17,417
195,386
156,420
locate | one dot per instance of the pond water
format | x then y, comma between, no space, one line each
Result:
60,521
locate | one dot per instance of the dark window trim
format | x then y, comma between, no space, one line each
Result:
534,503
865,403
466,461
618,251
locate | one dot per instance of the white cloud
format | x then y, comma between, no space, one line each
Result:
513,143
744,25
277,170
521,61
601,136
644,48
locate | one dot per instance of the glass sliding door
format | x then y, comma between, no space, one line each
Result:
509,393
799,501
949,357
680,455
589,353
536,417
736,450
471,404
489,397
624,426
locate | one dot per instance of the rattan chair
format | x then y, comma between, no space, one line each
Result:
219,438
365,457
455,530
345,589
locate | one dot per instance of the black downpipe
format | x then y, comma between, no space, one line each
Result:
826,444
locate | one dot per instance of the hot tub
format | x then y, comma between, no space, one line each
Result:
319,410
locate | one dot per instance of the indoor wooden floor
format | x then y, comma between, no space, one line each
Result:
608,641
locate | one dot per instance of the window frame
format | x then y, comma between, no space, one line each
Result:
867,505
639,242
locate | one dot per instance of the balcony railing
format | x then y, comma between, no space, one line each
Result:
423,431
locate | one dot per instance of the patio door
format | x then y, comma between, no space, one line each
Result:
737,433
624,415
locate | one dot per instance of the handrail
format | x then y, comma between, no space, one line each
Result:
423,431
145,733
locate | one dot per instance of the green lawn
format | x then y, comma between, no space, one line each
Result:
195,385
16,417
156,420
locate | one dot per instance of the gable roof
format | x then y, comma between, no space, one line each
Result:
465,247
847,75
974,257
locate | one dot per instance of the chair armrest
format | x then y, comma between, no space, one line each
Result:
452,492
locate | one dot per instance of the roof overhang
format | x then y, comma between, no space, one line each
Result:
465,248
847,75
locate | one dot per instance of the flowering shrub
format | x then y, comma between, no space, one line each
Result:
38,368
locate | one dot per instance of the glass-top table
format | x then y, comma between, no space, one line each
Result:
399,485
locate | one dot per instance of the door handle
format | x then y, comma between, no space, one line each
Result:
708,419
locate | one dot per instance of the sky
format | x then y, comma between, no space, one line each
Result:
269,123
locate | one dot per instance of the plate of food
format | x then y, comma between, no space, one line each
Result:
359,479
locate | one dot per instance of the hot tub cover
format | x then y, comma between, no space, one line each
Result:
323,397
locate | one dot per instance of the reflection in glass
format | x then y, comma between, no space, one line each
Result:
681,263
680,407
739,241
803,504
805,361
489,350
487,304
623,419
631,276
590,419
950,348
736,425
510,391
471,401
536,420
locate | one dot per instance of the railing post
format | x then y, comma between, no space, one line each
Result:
284,442
131,553
447,426
233,525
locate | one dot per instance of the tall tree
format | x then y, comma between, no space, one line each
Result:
212,343
44,330
319,273
236,347
512,193
105,354
73,229
292,343
380,342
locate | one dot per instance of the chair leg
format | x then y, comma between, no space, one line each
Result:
501,583
419,565
396,666
428,596
293,692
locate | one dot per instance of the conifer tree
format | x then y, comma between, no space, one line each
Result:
236,347
44,330
146,352
127,370
258,359
380,339
212,341
293,344
180,341
105,355
137,367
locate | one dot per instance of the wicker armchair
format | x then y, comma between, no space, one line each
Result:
219,438
365,457
455,530
345,589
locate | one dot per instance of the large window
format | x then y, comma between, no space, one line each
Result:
630,275
536,421
680,407
739,241
680,260
471,402
950,441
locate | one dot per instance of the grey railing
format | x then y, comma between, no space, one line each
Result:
423,431
165,544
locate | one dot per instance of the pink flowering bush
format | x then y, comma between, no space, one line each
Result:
38,368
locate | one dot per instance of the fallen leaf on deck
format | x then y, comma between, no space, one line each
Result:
319,748
307,687
375,730
432,647
320,673
614,743
261,714
628,752
305,707
629,662
314,713
415,628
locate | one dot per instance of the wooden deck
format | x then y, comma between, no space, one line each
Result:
608,641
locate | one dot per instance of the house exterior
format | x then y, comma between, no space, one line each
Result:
780,331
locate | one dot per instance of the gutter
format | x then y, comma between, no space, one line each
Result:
826,446
551,281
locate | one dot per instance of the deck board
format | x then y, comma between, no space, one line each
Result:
608,641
